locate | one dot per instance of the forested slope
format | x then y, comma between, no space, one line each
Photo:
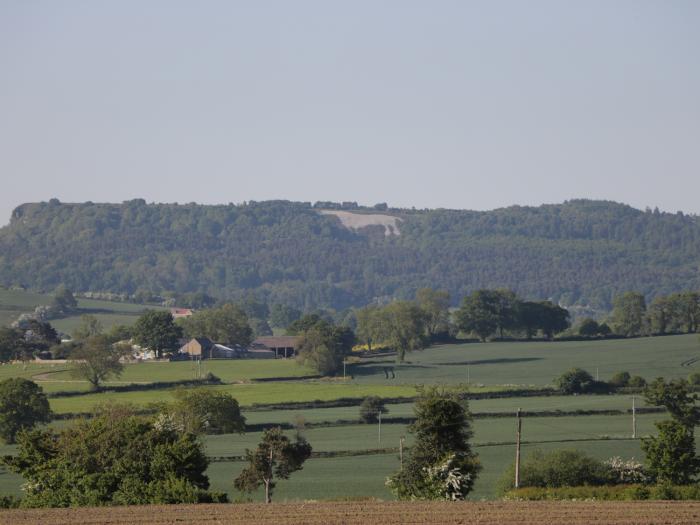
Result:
579,252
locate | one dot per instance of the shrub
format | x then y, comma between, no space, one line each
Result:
370,409
587,492
589,327
10,502
621,379
558,468
626,472
576,381
637,382
694,378
23,405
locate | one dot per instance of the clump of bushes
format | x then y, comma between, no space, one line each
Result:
578,381
370,409
694,379
559,468
572,469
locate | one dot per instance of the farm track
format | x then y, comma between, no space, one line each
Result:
313,513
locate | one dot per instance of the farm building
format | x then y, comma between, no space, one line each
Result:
204,348
198,348
180,312
282,346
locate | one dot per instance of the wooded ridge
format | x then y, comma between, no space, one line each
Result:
581,252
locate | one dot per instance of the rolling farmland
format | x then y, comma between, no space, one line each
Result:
354,462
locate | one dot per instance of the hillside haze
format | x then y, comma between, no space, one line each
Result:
578,253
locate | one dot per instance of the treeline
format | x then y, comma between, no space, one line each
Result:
580,253
670,314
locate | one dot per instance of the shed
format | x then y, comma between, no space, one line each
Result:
282,346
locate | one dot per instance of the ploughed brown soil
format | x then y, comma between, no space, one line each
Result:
496,513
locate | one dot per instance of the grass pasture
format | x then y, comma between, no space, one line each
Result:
110,313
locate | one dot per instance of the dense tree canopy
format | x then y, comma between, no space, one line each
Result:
112,459
23,404
227,324
323,346
157,331
580,252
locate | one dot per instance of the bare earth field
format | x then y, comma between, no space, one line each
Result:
523,513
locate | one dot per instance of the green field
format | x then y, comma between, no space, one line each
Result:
491,367
536,363
110,313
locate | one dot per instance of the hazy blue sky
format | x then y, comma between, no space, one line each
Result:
429,104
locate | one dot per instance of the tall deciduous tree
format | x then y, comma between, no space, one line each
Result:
436,306
479,313
276,457
97,359
629,310
671,454
157,331
324,346
441,463
227,324
12,344
89,326
64,301
204,411
402,326
23,404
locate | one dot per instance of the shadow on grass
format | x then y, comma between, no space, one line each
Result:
501,361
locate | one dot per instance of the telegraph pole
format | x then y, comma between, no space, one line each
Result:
634,418
401,451
519,426
380,427
343,368
468,378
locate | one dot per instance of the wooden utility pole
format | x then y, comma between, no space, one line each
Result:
343,368
634,418
519,427
401,451
380,427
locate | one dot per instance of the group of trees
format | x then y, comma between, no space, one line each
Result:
323,345
675,313
118,457
487,312
577,253
579,381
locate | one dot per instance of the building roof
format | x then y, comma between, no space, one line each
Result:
280,341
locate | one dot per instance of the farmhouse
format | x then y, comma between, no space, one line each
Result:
177,313
282,346
198,348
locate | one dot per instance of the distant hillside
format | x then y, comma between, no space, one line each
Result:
580,252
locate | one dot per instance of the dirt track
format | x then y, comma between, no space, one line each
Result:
492,513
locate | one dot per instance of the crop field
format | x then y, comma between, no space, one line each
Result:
362,512
536,363
356,459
